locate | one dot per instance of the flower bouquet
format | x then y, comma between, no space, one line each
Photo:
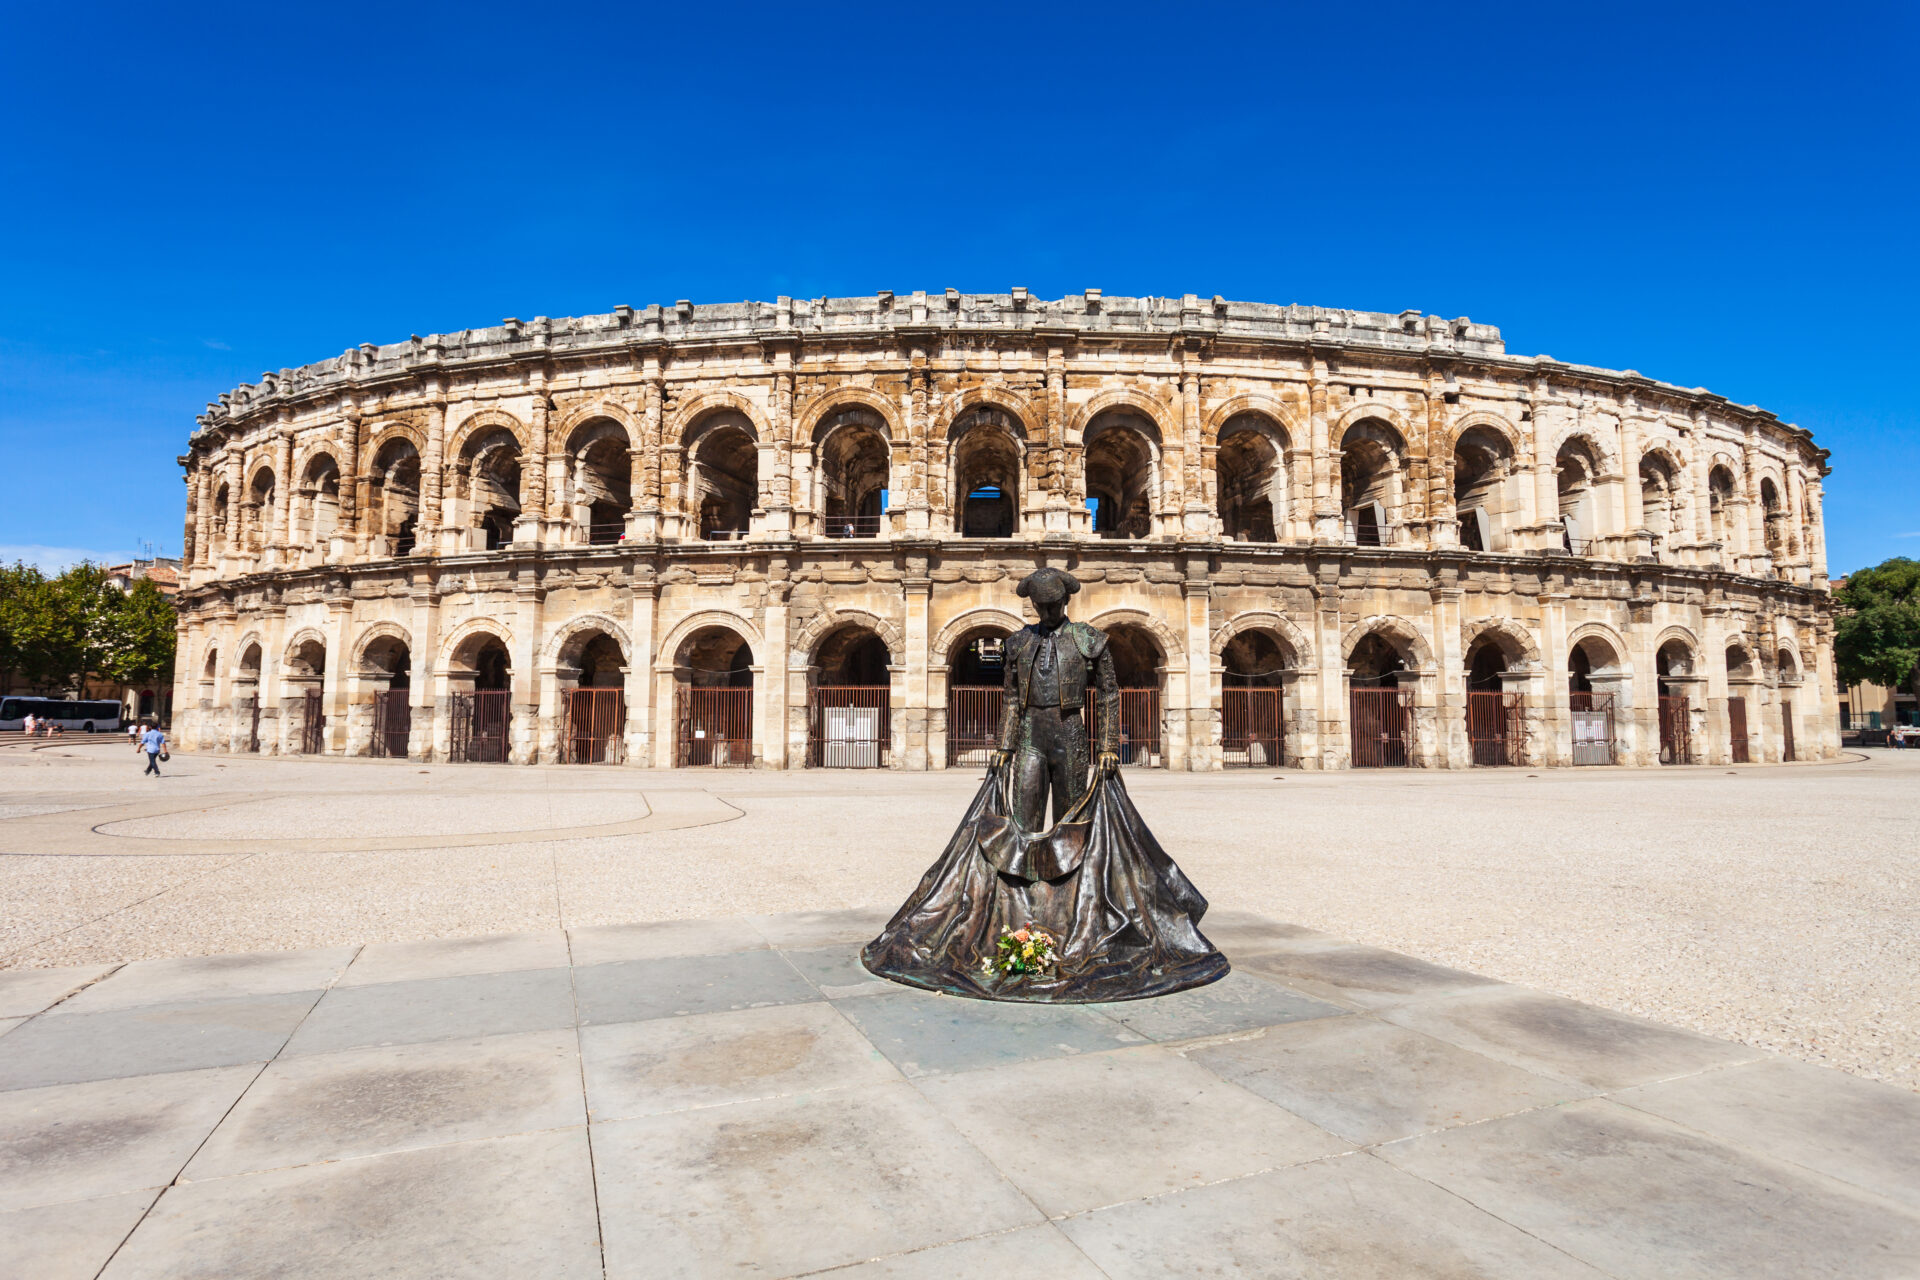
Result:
1020,952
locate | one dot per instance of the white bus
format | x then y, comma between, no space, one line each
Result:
87,717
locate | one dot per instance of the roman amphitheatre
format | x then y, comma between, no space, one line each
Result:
786,535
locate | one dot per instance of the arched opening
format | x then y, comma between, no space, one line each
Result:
1720,507
1251,480
985,456
1482,461
387,665
246,699
1253,666
211,666
222,500
1775,517
592,674
976,683
854,461
395,501
713,699
1591,709
724,480
1122,448
600,475
1659,500
1576,477
1370,455
1380,711
488,482
1673,668
319,505
1496,726
480,708
259,512
1139,668
849,701
305,701
1741,671
1788,673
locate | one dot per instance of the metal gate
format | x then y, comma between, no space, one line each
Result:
1251,736
1786,731
1592,728
250,708
1497,728
848,726
480,723
596,721
1380,718
973,723
1139,728
313,725
1737,728
713,726
1676,731
392,724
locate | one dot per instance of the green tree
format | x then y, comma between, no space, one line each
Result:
1876,628
143,631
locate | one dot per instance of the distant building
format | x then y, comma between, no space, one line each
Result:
162,571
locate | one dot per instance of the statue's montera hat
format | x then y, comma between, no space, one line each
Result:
1048,586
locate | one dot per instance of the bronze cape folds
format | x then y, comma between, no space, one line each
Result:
1125,921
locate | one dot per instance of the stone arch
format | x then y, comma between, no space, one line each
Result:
699,621
591,429
1788,666
972,620
1600,631
1755,662
1516,642
1606,458
826,622
465,636
1668,452
994,395
378,631
814,424
1171,649
381,434
1676,632
1488,420
472,425
587,411
323,447
1154,411
304,636
256,642
690,414
210,668
561,640
1396,631
1279,624
1366,409
1255,403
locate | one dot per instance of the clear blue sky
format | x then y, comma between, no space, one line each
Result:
192,194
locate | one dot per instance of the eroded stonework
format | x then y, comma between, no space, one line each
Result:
779,534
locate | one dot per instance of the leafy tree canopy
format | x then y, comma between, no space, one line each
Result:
57,633
1876,635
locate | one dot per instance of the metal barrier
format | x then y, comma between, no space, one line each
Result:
313,724
1737,728
849,726
596,724
1593,738
392,724
1787,753
973,723
713,726
1379,719
480,721
1140,728
1676,731
250,708
1251,732
1496,728
852,526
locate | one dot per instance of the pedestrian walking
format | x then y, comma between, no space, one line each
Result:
154,743
27,724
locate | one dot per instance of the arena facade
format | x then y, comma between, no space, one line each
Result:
788,534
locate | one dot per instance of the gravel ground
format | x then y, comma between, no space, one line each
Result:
1774,905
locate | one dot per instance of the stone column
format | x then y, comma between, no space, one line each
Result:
1817,545
232,547
1197,519
1202,731
352,494
430,520
1443,522
339,667
1331,704
527,527
644,525
528,597
1639,540
918,587
1326,483
639,681
281,541
1450,691
772,699
425,692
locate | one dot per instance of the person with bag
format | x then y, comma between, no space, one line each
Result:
154,743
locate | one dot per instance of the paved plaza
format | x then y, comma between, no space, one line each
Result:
354,1018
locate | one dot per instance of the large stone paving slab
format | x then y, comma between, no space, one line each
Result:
675,986
70,1241
925,1033
1638,1196
521,1207
25,992
438,1009
789,1185
263,973
1237,1002
150,1039
1028,1251
457,957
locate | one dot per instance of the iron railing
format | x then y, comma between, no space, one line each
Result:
313,724
1139,728
849,726
392,724
596,723
1378,722
853,526
1593,731
1251,732
1737,729
1676,731
1496,728
713,726
973,723
480,724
